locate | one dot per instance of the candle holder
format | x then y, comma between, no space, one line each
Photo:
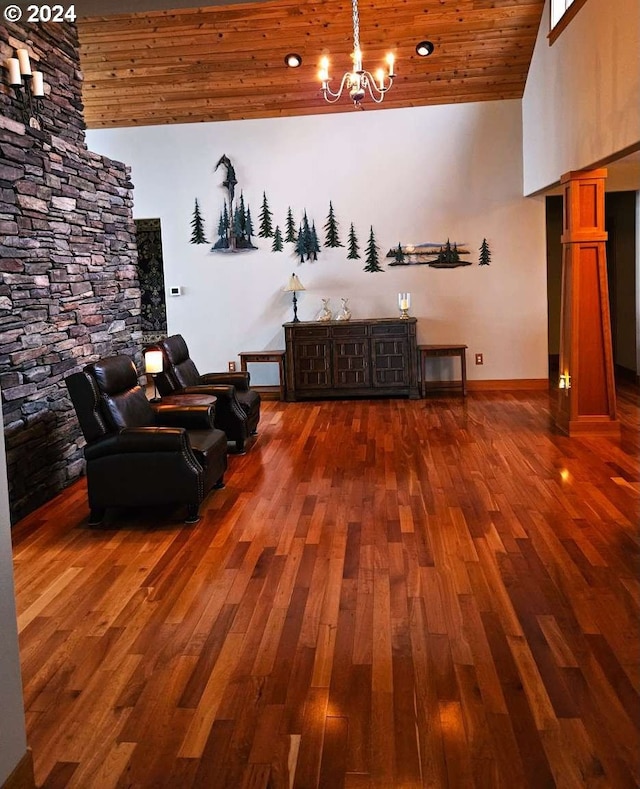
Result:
404,302
28,86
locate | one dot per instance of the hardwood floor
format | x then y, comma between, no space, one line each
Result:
438,593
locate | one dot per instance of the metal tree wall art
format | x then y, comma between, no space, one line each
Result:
290,228
331,230
277,245
235,227
197,227
398,257
485,253
266,224
436,255
307,244
373,263
352,244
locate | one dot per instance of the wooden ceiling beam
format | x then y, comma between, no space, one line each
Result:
158,117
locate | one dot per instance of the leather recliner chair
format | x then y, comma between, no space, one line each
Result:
142,454
237,407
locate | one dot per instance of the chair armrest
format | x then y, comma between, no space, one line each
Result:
240,380
139,439
191,417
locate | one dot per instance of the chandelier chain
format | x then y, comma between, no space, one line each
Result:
356,27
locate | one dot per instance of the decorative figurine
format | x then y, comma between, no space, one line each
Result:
325,313
345,312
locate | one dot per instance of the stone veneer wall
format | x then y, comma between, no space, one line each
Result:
69,290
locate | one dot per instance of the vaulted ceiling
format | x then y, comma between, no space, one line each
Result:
226,62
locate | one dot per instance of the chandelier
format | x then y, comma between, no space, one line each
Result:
358,82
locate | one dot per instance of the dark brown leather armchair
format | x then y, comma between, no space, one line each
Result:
142,454
237,407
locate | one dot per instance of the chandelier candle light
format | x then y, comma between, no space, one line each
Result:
358,81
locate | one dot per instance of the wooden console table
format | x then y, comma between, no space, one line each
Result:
356,358
265,356
427,351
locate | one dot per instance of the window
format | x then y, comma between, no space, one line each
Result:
558,8
562,12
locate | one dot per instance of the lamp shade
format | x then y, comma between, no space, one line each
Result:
294,284
153,362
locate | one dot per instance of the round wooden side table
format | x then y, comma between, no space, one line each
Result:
188,399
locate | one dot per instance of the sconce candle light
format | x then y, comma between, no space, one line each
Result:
153,366
404,302
28,86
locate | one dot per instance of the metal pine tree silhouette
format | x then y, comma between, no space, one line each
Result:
331,230
197,225
301,244
290,228
314,244
277,245
352,243
485,253
266,226
373,263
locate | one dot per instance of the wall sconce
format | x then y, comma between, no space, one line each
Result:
565,381
28,86
404,302
294,286
153,364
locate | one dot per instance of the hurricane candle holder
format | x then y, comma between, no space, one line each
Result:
404,302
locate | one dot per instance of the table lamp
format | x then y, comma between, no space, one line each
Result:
153,366
294,286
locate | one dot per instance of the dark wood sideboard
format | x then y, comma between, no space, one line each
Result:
356,358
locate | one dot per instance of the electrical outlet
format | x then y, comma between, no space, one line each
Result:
232,367
479,359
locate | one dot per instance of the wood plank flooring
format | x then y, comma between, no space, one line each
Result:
435,593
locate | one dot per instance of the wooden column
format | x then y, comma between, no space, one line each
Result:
587,397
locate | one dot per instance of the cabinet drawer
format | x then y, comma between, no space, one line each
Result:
349,331
397,329
311,333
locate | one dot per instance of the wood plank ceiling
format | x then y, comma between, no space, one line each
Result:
226,62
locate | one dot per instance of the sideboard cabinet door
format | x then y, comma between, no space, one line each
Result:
391,358
351,354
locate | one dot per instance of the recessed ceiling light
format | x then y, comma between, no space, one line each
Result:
293,60
424,48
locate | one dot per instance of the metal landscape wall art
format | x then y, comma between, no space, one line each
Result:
436,255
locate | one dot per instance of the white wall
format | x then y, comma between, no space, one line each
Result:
581,100
416,175
13,743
